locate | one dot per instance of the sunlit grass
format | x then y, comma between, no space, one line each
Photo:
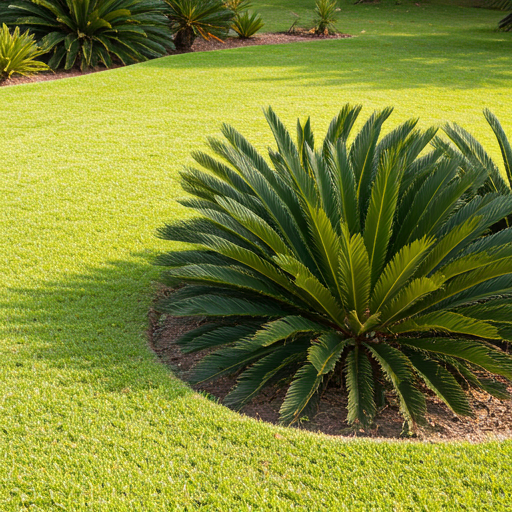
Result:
88,417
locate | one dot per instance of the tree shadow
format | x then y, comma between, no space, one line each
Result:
92,325
474,58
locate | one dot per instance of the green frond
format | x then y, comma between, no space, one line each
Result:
489,312
397,368
473,352
355,275
212,305
506,150
362,155
263,371
359,379
304,385
213,335
284,329
342,124
442,383
226,361
381,211
320,295
398,272
411,294
447,322
344,184
325,352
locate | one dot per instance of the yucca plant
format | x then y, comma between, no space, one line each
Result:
474,158
326,18
365,261
247,24
90,32
191,18
18,53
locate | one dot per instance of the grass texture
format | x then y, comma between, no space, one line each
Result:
89,420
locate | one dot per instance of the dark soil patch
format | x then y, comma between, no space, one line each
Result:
493,417
200,45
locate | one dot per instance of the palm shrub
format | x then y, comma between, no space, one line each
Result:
474,158
90,32
192,18
18,53
247,24
326,18
366,262
503,5
238,6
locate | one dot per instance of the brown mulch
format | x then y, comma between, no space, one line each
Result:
200,45
493,417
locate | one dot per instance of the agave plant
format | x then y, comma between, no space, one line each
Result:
90,32
191,18
473,157
18,53
247,24
365,261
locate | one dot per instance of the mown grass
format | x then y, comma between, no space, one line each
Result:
88,418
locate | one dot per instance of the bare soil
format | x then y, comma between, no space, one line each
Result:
200,45
493,417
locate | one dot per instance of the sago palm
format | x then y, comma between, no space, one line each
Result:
18,54
92,32
365,261
191,18
474,158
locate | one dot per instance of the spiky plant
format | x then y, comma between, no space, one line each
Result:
503,5
247,24
18,53
238,6
191,18
90,32
326,18
473,157
365,261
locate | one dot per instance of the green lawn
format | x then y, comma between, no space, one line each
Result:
89,420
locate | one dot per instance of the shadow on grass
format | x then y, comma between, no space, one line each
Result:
397,61
91,325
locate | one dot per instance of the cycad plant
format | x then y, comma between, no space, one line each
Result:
191,18
90,32
18,53
474,158
366,261
326,18
247,24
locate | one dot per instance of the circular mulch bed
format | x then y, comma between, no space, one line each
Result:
493,417
200,45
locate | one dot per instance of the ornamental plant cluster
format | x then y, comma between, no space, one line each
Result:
88,33
382,263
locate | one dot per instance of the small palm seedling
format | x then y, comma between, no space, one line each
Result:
474,158
90,32
18,53
365,261
326,18
246,24
191,18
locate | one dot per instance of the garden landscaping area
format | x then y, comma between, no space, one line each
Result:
90,418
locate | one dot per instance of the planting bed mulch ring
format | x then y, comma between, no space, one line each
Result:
493,417
200,45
